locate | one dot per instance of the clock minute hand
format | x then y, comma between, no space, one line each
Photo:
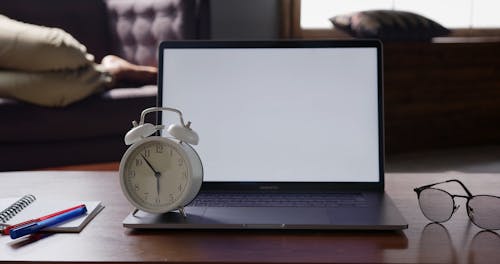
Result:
157,174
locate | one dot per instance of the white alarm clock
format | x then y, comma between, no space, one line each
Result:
160,174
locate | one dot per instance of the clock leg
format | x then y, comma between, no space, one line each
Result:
135,212
183,213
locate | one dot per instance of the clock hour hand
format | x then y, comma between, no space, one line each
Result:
157,174
151,166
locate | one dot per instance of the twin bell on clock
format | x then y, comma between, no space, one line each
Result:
160,174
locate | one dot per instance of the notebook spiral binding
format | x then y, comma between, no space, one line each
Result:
16,207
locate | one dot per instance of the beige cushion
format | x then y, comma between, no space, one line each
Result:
36,48
53,88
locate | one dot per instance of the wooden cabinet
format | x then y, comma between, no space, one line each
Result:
440,95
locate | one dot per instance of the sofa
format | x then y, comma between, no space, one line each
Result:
92,130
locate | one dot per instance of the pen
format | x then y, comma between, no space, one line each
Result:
37,226
7,229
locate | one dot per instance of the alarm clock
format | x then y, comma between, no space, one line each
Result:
160,174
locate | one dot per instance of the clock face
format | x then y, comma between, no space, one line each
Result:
155,175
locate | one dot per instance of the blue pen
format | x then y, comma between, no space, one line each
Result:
37,226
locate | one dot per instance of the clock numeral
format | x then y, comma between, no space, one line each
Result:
136,187
171,197
179,187
180,162
147,153
157,201
146,195
138,162
131,173
159,148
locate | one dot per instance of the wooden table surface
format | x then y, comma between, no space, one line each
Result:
104,239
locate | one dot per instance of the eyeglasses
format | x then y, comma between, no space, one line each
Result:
439,205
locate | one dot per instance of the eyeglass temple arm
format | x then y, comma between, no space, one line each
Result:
419,189
463,186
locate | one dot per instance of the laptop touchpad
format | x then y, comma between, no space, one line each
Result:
254,216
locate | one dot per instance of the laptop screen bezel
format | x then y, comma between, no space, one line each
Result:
287,186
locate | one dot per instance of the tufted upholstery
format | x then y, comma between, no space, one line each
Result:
139,26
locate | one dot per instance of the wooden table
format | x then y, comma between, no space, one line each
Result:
104,239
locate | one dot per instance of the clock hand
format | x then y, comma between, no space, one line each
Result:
157,185
157,174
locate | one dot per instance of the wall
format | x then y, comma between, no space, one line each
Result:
243,19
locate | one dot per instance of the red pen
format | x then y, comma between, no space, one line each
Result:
6,231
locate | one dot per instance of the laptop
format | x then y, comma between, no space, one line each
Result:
291,134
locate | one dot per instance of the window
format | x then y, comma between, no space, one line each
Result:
310,18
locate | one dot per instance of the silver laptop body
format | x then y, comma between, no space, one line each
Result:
291,134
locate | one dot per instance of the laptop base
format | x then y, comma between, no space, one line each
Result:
381,214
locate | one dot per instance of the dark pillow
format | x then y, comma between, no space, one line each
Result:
389,25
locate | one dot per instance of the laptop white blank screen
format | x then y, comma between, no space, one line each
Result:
278,114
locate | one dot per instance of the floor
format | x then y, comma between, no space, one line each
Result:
484,159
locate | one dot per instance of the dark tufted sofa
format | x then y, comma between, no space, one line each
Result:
92,130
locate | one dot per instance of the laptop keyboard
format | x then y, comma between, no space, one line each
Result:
279,200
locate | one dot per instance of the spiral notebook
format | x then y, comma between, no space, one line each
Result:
15,210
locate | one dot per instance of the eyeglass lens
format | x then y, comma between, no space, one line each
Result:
484,211
437,205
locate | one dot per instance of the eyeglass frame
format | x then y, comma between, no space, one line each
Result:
469,196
